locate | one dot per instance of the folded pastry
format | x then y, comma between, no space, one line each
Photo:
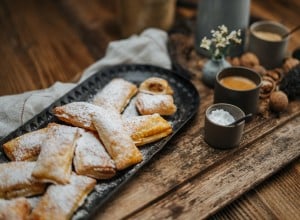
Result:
156,85
91,158
14,209
25,147
16,180
147,128
117,94
61,201
77,114
116,139
55,160
148,104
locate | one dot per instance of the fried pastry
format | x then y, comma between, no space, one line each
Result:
14,209
147,128
16,180
77,114
25,147
61,201
55,160
156,85
91,159
116,139
148,104
117,94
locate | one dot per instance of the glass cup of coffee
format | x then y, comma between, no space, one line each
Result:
267,43
238,86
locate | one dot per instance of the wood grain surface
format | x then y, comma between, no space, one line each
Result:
47,41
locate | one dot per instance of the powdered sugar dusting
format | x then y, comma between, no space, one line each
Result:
116,139
25,147
117,94
55,159
15,176
63,200
150,104
77,113
91,157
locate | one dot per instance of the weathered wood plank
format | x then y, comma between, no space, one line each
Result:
191,157
95,21
40,46
204,194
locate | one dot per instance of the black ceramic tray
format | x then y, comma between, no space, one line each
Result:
186,99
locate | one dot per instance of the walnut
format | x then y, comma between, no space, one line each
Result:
249,60
235,61
275,74
268,85
259,69
278,101
289,63
263,107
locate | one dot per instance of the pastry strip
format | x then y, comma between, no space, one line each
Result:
91,159
116,139
117,94
16,180
147,128
148,104
142,129
77,114
15,209
55,160
25,147
61,201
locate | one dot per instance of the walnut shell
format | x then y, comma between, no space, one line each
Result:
259,69
249,60
268,85
278,101
289,63
235,61
275,74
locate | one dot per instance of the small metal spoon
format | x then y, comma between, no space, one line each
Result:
292,31
241,119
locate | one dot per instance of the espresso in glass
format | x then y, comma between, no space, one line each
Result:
238,83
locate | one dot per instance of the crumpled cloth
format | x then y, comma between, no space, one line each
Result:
147,48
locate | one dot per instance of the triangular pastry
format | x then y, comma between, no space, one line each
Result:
61,201
25,147
14,209
16,180
91,158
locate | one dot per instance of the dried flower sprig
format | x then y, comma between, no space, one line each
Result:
220,42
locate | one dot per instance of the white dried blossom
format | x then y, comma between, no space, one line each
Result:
205,43
220,41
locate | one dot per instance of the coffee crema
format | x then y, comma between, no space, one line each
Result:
237,83
268,36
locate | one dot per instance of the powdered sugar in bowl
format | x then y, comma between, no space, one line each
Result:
217,131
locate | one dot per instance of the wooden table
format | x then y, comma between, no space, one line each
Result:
48,41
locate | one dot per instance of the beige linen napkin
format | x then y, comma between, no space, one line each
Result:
147,48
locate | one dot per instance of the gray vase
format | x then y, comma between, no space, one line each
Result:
211,68
212,13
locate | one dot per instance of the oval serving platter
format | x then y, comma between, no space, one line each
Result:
186,99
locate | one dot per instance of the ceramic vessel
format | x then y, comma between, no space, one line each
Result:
211,69
271,53
223,136
234,14
247,100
